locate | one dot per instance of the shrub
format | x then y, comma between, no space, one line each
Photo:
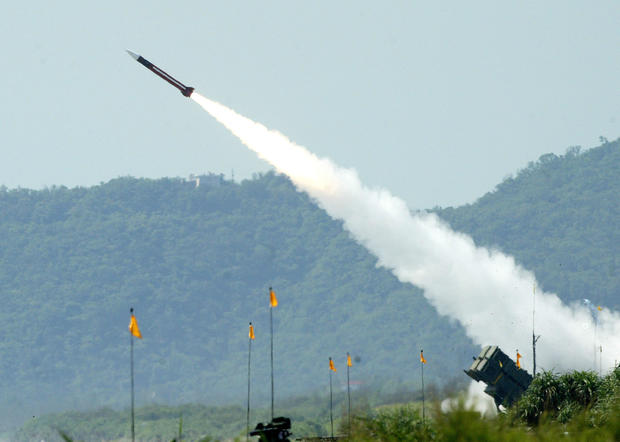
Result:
393,424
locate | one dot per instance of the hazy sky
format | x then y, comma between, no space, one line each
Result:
436,101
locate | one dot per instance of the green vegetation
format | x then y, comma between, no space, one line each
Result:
309,414
398,423
563,397
559,217
576,406
153,422
196,263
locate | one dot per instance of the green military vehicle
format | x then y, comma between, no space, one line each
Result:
505,381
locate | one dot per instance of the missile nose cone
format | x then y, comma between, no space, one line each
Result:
135,56
185,90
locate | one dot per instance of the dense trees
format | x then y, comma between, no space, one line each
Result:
196,263
559,217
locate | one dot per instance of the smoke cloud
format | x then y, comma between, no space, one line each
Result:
485,290
475,398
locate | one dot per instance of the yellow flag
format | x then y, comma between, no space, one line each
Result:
518,357
273,301
133,327
422,360
331,365
349,364
251,331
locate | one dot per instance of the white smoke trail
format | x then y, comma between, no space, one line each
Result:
475,398
485,290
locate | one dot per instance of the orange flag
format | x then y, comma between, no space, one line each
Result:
331,365
349,364
273,301
251,331
422,360
133,327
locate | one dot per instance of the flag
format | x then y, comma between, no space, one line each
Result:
349,364
422,360
251,331
133,327
331,365
599,308
273,301
518,357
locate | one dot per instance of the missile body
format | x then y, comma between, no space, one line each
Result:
185,90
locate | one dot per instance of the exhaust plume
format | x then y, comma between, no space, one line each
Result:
474,398
485,290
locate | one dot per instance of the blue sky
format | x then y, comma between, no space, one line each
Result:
435,101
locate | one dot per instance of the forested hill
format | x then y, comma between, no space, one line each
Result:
559,217
196,264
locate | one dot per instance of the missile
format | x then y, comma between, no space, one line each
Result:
185,90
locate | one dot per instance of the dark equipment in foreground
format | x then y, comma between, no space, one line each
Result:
275,431
505,381
185,90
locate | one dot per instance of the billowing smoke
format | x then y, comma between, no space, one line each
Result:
475,398
485,290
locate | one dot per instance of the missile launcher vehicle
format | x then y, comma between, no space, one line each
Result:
275,431
505,381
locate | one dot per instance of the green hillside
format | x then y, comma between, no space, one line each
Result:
559,217
196,264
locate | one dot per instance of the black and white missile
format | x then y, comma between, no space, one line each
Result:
185,90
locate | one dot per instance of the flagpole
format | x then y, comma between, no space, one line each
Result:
423,401
247,433
271,330
595,338
331,402
349,392
533,334
534,337
133,428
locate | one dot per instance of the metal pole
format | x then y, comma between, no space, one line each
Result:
349,393
133,428
423,412
534,353
331,403
271,328
595,339
247,433
534,337
533,334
